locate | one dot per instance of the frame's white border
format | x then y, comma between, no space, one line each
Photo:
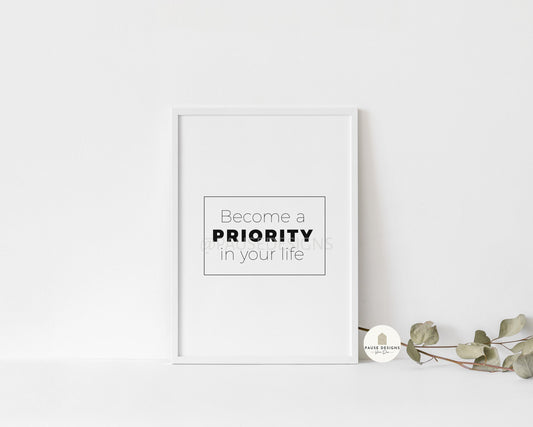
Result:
350,111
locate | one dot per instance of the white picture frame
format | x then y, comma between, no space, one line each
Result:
193,341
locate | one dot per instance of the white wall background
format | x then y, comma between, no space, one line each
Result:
446,154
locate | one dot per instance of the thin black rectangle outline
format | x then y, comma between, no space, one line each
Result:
293,197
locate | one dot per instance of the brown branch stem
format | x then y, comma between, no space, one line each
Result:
502,343
510,342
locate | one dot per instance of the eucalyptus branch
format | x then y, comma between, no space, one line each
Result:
461,362
483,350
437,357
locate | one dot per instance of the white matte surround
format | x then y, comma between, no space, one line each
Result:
304,159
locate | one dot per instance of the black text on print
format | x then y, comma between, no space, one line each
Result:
259,234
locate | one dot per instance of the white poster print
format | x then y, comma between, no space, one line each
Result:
264,263
265,236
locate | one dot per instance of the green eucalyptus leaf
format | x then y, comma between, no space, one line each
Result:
523,365
490,357
525,347
424,333
470,351
481,337
413,352
509,327
509,360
